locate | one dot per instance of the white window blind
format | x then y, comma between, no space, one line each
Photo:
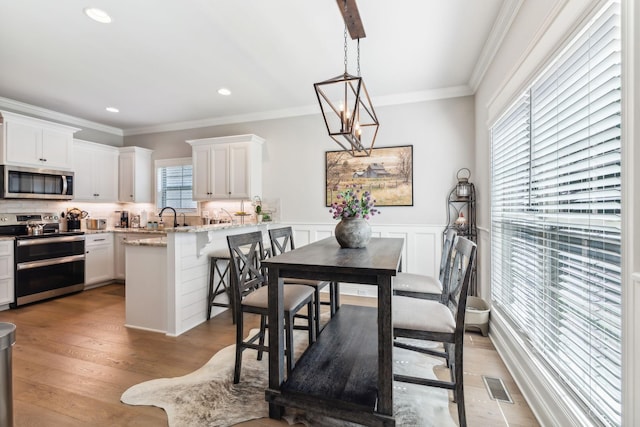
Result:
556,206
174,184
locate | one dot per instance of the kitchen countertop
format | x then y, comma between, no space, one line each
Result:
162,241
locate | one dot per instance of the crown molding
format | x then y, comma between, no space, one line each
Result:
506,15
32,110
379,101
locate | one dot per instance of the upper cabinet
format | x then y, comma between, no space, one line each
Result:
37,143
135,175
96,172
228,167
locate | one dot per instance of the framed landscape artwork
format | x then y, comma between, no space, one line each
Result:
387,174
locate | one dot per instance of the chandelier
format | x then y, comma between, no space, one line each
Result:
344,101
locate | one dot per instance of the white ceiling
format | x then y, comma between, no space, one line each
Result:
161,62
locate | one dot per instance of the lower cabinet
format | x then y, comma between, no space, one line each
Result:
6,273
98,259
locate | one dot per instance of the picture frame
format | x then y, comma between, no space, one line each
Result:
387,173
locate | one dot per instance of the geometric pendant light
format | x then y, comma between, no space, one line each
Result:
344,101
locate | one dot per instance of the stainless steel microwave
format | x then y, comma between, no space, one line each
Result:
33,183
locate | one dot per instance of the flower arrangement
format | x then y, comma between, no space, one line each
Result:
354,203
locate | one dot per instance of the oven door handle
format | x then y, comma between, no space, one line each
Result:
48,262
47,240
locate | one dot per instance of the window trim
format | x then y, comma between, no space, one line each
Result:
178,161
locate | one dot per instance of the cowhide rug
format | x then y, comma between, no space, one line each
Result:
208,397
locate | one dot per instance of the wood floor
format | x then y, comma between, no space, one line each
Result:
73,358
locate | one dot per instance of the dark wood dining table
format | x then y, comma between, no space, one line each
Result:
347,373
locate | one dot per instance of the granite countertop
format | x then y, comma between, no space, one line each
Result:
8,238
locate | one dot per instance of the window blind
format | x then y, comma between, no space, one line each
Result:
175,187
556,217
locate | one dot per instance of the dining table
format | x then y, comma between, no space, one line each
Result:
347,373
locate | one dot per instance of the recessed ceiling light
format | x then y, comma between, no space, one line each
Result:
97,15
224,91
112,110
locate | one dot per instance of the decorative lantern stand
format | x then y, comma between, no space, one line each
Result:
461,215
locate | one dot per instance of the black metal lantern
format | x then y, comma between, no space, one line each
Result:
344,101
463,189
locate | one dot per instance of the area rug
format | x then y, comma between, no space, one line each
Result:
207,397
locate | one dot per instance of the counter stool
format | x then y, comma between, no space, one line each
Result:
216,258
221,285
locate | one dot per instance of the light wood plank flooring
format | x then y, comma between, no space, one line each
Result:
73,358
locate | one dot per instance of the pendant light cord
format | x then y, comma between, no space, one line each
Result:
345,38
358,56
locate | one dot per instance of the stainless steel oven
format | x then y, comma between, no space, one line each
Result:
48,263
48,266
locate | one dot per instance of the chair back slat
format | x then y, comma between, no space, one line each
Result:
445,260
246,269
461,270
281,240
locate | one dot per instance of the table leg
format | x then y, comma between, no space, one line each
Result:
276,340
385,347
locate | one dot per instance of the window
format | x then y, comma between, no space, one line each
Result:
556,218
174,184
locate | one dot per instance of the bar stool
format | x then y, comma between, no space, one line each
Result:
216,258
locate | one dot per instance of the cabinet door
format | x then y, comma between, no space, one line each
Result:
105,175
126,177
99,259
239,171
56,149
119,256
220,172
24,143
6,272
83,168
201,158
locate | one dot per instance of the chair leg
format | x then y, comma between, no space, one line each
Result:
263,326
288,351
313,322
459,385
210,295
316,297
239,349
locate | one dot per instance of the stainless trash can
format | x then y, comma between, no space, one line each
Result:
7,339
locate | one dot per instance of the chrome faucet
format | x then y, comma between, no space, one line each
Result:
175,215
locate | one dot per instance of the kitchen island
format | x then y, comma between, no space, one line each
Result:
167,277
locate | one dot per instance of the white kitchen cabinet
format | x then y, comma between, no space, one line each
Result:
227,167
27,141
6,273
119,252
96,172
135,175
98,259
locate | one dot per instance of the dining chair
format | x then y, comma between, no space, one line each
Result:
441,322
248,281
281,242
425,286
